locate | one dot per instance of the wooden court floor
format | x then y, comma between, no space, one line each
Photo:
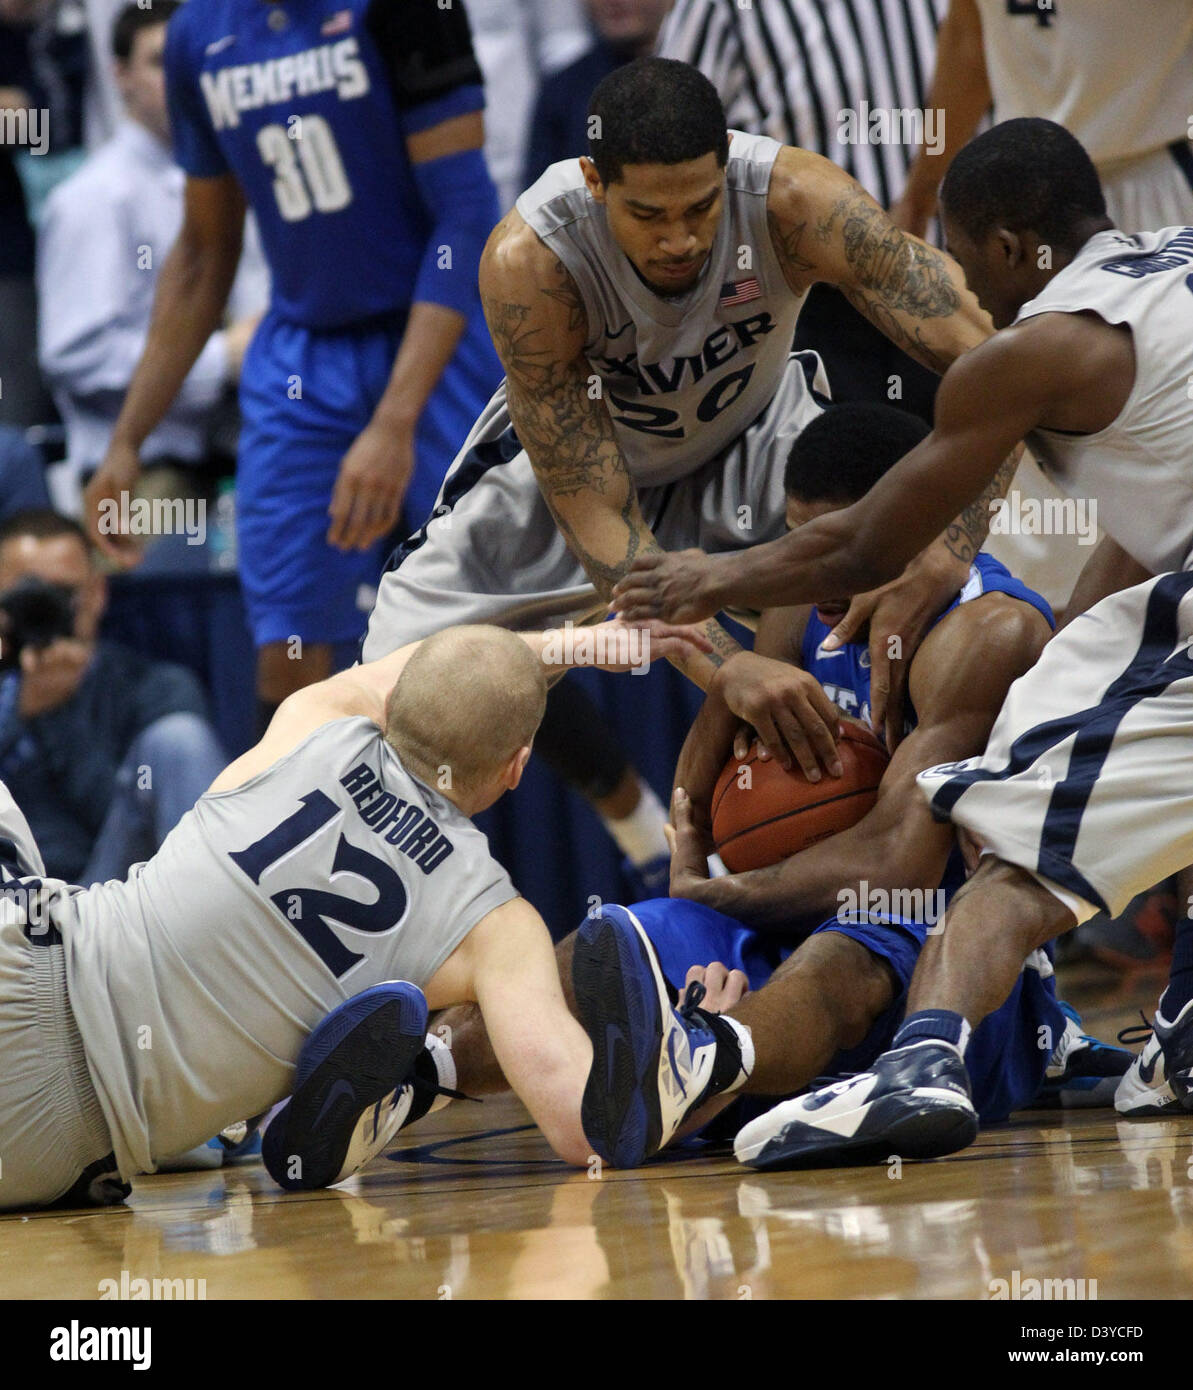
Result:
474,1207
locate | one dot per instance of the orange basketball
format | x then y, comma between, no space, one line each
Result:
761,813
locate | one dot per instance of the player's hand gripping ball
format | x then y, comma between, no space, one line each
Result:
761,813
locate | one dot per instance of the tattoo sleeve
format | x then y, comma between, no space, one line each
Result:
566,430
967,534
897,280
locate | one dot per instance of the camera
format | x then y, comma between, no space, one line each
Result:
33,613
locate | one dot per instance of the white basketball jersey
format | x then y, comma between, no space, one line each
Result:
1118,74
1140,467
683,376
195,981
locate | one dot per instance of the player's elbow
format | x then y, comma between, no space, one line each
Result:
567,1138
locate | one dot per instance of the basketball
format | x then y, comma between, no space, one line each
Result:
762,813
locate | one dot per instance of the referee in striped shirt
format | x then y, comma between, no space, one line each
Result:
789,69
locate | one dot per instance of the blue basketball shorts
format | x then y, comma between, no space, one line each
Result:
305,395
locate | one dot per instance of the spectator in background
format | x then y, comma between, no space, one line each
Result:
106,231
102,748
625,29
22,397
519,43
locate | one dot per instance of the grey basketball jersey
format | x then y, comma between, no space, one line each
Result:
195,981
682,377
1140,467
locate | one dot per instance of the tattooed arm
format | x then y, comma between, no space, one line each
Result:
825,227
537,320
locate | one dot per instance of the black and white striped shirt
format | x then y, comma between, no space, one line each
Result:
787,68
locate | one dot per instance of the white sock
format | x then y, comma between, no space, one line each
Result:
640,835
445,1065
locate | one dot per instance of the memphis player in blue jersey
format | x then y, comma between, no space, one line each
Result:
353,129
827,985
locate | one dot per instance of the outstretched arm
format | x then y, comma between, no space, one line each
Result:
986,403
825,227
362,691
508,966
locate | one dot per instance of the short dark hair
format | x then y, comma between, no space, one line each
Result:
133,18
1025,175
654,111
843,453
43,524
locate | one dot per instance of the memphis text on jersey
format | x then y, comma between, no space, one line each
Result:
334,67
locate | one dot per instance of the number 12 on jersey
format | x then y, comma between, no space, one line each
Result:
309,910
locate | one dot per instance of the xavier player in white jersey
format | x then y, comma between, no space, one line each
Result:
643,302
138,1017
1084,795
1126,94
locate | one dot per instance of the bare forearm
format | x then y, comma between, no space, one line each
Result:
960,94
188,306
909,290
966,535
870,543
432,334
606,545
929,314
835,876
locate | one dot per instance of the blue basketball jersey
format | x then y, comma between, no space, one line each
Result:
309,105
845,673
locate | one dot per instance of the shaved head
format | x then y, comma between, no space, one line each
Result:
468,699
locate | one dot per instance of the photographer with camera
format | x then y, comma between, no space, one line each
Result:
102,748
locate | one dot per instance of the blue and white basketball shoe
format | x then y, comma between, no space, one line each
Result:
1158,1082
914,1102
360,1054
427,1088
1083,1072
653,1064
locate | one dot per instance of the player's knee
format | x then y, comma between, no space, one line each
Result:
1019,905
1010,626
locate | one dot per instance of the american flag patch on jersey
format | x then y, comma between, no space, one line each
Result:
740,293
336,23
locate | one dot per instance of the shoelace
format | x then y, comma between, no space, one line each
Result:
694,993
420,1083
1137,1032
